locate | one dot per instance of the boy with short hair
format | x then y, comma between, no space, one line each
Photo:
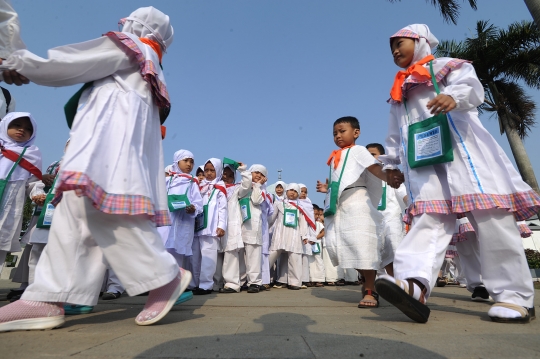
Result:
351,214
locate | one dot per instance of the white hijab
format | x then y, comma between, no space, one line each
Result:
179,156
258,168
151,23
32,154
307,206
218,166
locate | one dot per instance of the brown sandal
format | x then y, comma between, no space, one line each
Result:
374,295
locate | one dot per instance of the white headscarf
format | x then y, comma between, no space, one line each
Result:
258,168
425,41
294,187
32,154
179,156
218,165
151,23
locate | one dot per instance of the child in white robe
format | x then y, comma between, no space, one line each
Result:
392,229
17,134
290,233
351,222
316,262
179,238
307,207
267,209
209,230
252,228
480,182
232,243
121,197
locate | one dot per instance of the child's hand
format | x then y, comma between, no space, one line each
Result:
220,232
39,200
48,180
441,103
190,209
322,187
13,77
394,178
263,180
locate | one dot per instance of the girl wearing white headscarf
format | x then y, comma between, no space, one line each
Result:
19,185
179,239
206,242
267,209
115,163
232,243
289,239
480,182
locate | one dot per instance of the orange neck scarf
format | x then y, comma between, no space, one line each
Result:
336,155
417,70
154,45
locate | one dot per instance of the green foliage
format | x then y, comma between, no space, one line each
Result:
533,258
504,60
449,9
28,210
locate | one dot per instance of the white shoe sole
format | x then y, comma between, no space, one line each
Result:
184,282
479,299
33,324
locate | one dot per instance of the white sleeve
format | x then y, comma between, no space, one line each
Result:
31,184
70,64
393,142
222,210
196,199
10,30
464,87
256,195
401,193
37,189
245,185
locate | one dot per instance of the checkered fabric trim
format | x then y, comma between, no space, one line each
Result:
411,83
524,230
108,202
406,33
146,67
522,204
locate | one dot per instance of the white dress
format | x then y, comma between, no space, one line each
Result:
117,168
481,175
287,238
351,237
232,240
182,229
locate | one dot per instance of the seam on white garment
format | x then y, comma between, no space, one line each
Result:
406,168
469,159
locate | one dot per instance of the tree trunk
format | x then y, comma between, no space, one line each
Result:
516,145
534,9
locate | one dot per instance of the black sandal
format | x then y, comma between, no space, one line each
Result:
374,295
404,300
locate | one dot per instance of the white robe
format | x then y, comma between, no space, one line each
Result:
252,228
351,234
287,238
232,240
481,175
117,122
180,234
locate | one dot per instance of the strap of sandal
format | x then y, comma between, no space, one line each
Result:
372,293
518,308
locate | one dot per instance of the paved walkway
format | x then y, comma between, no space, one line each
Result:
311,323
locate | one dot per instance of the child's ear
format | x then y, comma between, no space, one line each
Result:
356,133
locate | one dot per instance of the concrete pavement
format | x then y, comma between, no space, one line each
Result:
310,323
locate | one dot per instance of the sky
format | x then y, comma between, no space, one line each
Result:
260,81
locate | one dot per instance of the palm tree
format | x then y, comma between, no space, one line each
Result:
450,8
505,61
534,9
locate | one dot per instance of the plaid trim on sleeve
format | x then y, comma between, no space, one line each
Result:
108,202
146,67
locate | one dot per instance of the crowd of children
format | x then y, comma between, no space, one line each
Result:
174,234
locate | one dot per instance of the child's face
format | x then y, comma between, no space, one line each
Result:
209,172
279,190
345,135
20,129
303,193
186,165
374,152
292,194
200,175
256,176
402,51
228,176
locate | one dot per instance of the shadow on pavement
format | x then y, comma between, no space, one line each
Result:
285,335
